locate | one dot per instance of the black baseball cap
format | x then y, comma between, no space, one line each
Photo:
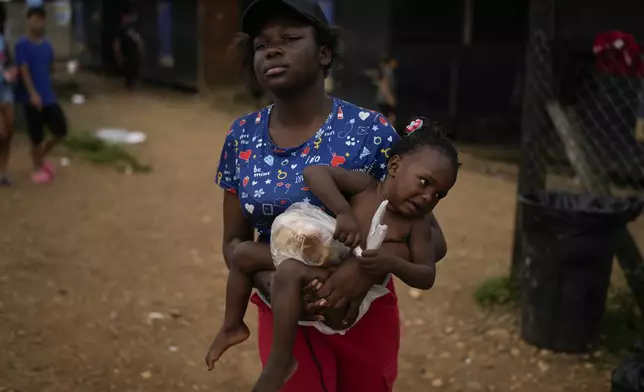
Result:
256,13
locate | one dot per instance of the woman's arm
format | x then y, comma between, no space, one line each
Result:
332,185
349,282
255,257
238,244
237,229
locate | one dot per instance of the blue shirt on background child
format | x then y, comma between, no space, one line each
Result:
39,57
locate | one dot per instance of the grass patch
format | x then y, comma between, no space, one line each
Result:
623,324
495,292
100,152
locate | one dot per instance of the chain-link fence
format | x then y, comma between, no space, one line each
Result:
583,133
583,124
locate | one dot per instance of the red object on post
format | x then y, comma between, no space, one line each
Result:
618,53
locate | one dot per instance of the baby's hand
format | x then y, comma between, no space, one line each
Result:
346,230
376,262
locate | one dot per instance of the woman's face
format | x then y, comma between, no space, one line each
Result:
287,56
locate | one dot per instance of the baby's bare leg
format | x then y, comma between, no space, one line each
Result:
234,331
286,302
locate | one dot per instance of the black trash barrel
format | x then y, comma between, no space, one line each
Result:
568,248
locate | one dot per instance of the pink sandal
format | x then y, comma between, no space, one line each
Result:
41,177
49,168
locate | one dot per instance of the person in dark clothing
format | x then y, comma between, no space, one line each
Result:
128,50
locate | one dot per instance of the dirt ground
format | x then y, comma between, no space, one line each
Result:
111,281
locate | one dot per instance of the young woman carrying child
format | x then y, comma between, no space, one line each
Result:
421,170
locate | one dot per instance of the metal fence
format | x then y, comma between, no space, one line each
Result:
583,132
583,127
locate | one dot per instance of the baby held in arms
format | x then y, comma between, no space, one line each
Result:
306,242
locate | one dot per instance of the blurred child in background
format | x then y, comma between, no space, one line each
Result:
386,97
35,61
8,76
128,49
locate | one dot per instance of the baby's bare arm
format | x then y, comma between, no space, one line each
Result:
420,271
438,239
333,185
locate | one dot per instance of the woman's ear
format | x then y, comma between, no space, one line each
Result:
393,166
325,56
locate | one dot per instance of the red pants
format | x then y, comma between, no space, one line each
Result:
364,359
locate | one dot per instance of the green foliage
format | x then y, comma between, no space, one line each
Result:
100,152
623,324
498,291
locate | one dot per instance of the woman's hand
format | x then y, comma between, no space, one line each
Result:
346,284
312,306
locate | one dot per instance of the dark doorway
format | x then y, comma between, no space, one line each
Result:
426,36
460,61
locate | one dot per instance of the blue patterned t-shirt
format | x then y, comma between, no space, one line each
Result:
268,179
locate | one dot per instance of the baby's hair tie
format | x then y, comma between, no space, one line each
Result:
413,126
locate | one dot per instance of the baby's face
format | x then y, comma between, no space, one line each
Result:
419,181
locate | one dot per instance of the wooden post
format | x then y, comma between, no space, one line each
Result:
532,172
202,87
574,144
219,22
455,67
631,261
